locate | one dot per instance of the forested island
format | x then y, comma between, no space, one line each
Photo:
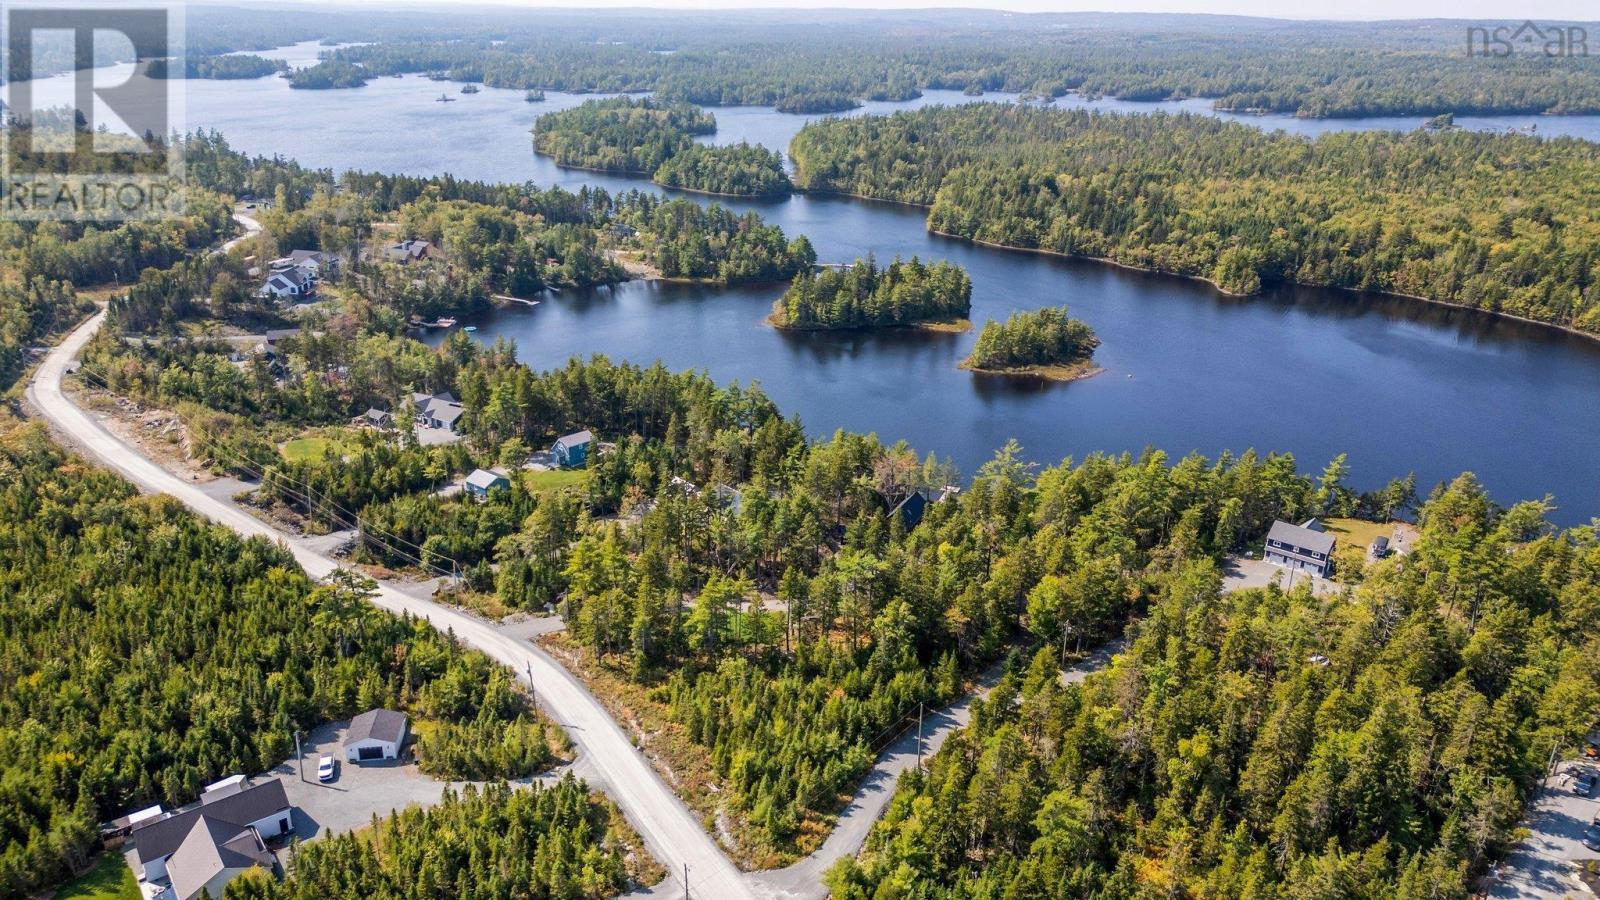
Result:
1044,342
329,74
649,137
228,66
816,102
1490,221
865,295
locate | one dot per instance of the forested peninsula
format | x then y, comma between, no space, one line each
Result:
1491,221
656,138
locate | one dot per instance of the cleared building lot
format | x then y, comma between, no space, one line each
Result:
360,791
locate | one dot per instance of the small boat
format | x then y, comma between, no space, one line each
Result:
443,99
470,328
469,89
442,322
535,96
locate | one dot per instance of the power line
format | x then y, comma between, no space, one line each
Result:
281,481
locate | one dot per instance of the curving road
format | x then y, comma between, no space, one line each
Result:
666,825
803,879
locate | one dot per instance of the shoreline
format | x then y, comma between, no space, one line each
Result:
650,177
1078,371
943,326
1448,304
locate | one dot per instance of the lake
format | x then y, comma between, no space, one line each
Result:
1400,385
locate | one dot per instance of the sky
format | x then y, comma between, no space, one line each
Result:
1579,10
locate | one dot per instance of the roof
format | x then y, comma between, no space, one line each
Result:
302,256
576,439
444,411
377,415
483,478
1301,536
378,725
211,846
410,248
163,836
294,276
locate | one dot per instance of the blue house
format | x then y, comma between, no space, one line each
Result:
572,451
482,481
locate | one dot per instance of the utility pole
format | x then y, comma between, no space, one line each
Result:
299,757
919,736
532,692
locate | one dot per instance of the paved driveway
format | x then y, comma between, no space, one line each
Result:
1240,574
1541,865
360,791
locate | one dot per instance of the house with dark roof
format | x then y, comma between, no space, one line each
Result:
409,251
376,734
205,846
1301,548
572,451
289,284
910,510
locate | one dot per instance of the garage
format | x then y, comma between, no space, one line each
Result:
375,735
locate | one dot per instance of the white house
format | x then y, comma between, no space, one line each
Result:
289,284
375,734
204,847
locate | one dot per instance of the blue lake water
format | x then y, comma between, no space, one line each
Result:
1399,385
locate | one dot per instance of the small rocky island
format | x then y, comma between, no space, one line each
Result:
1045,343
863,295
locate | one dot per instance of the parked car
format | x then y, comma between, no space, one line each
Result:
1591,838
327,768
1585,784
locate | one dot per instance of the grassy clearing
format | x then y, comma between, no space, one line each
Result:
110,879
1356,532
306,449
554,480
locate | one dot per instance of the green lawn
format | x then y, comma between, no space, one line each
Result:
554,479
309,448
1356,532
110,879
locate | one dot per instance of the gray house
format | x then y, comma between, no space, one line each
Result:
1303,548
437,410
